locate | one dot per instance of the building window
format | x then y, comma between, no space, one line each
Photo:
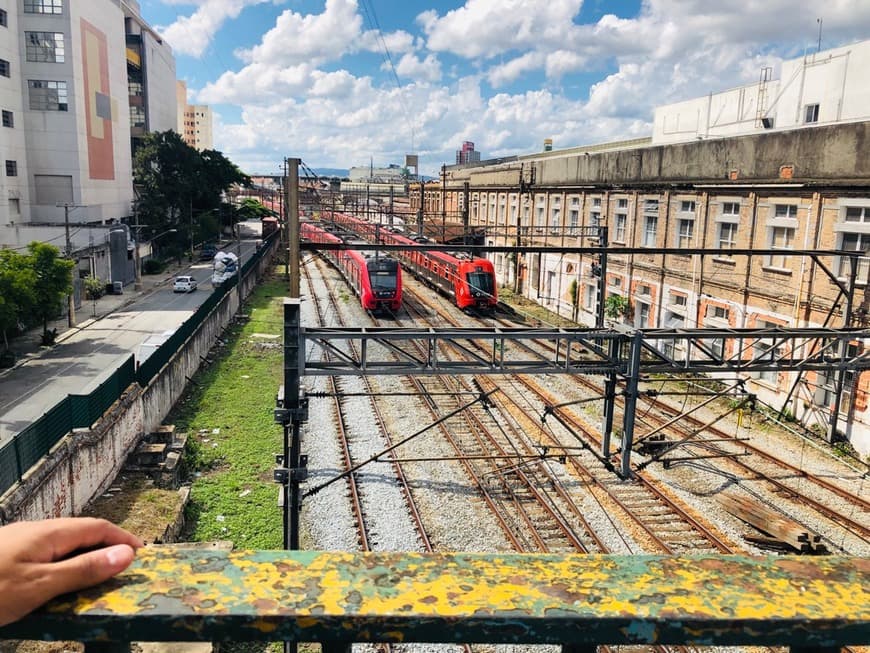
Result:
45,46
620,220
8,119
573,221
4,68
812,113
685,231
717,312
11,168
594,219
730,208
785,211
650,225
766,350
43,6
727,236
3,18
596,201
641,317
47,95
651,206
855,243
622,203
555,219
687,206
857,214
780,238
590,296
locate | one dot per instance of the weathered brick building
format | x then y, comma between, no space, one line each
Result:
799,189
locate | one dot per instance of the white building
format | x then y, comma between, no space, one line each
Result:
80,81
815,89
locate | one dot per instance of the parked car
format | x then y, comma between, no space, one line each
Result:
184,284
208,252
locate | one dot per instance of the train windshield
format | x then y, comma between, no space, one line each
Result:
481,281
382,280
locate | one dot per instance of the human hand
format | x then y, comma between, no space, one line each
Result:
38,560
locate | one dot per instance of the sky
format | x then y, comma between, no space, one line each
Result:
342,83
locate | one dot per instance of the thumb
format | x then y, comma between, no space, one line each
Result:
90,568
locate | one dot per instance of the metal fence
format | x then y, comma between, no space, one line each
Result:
81,411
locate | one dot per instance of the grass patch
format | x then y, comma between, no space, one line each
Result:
233,438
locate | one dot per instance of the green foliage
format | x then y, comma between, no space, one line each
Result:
616,307
574,292
153,266
94,288
53,281
180,187
251,209
17,281
233,434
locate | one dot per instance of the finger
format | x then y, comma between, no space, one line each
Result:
68,534
86,569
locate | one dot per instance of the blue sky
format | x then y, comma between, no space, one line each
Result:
341,82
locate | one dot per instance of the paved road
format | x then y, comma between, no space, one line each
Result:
89,355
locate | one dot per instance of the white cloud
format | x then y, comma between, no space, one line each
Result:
487,28
303,91
412,67
315,38
193,34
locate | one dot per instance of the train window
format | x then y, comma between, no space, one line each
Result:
481,280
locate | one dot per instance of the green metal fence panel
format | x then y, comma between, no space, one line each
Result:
10,470
37,439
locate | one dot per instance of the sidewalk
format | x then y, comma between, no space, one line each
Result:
29,345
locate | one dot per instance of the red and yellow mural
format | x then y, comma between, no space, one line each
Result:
98,103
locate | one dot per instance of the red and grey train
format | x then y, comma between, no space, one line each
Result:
376,279
469,281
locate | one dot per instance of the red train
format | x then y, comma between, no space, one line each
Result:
468,280
376,279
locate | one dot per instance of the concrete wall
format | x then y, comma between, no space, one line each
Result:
85,463
835,153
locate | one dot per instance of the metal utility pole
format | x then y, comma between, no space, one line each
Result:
294,262
285,227
291,411
420,209
443,202
71,301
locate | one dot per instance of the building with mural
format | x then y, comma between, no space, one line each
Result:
80,82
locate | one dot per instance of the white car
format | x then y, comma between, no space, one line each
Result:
184,284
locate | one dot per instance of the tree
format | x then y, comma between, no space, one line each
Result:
251,209
178,186
17,281
52,281
616,306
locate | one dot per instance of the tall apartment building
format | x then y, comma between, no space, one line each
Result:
467,154
74,76
194,120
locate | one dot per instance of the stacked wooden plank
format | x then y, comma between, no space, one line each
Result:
778,531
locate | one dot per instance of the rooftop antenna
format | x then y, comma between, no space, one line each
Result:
819,21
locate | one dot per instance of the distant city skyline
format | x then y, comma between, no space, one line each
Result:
340,82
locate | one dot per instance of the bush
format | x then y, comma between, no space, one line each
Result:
94,288
153,266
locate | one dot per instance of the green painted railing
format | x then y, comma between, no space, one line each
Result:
577,601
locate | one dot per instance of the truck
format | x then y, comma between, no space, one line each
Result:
225,266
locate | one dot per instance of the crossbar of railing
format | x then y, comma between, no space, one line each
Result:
578,601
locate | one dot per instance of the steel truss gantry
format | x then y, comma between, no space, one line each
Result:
621,356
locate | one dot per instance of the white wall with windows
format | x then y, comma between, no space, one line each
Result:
817,88
14,190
